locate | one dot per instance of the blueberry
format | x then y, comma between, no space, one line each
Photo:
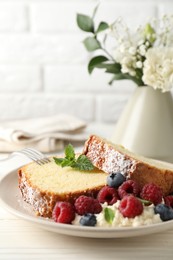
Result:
88,220
115,179
166,212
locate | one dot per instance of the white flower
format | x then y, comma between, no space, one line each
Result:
132,50
147,44
139,64
146,53
142,50
158,68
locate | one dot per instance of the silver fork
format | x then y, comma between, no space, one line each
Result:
32,154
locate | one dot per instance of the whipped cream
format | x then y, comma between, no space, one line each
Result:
147,217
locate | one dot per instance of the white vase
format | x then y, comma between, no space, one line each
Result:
146,124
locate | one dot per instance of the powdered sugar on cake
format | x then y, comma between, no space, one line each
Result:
108,159
32,196
115,161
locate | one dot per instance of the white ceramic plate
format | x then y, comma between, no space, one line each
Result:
12,201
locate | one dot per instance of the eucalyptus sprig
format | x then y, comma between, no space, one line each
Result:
81,163
92,43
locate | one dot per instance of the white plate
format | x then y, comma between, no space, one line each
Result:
12,201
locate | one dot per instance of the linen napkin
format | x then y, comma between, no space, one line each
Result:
47,134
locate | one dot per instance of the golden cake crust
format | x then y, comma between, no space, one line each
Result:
109,157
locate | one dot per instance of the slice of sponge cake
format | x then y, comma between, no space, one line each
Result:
110,157
42,186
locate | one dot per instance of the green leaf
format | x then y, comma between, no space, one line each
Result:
109,67
139,73
145,202
121,76
69,152
112,68
138,81
118,76
91,44
109,215
66,162
58,160
85,23
94,62
102,27
83,163
63,161
95,10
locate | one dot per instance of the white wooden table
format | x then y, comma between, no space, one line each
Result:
20,239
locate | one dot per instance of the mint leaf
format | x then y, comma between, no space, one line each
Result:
58,160
83,163
69,152
66,162
63,162
91,44
85,23
109,215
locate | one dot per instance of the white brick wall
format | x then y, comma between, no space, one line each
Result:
13,17
43,64
18,78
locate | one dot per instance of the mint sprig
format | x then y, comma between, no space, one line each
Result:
81,163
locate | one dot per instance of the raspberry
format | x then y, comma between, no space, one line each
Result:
84,205
127,188
169,200
130,206
107,194
63,212
152,193
97,206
